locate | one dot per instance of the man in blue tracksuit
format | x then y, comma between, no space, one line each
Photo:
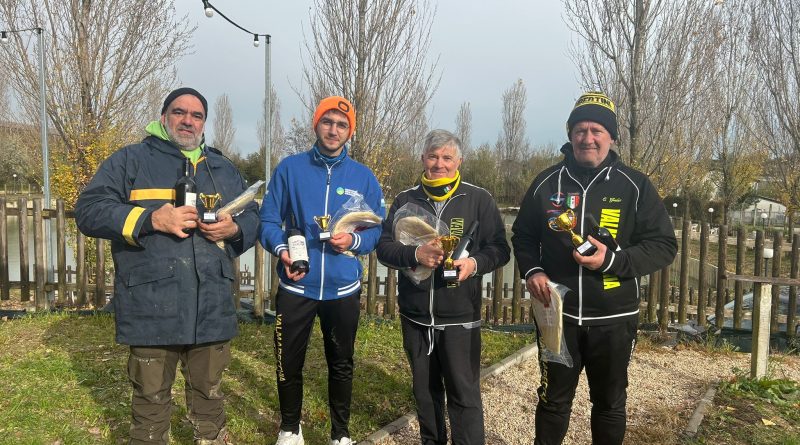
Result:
307,185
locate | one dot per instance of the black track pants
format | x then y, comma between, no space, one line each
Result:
605,352
452,366
338,322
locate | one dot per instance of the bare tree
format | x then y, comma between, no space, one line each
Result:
224,130
101,58
651,57
776,42
512,144
278,135
374,52
737,155
464,127
299,138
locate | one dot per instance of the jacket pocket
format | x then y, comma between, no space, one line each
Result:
152,290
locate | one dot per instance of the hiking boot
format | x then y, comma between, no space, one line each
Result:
290,438
223,438
342,441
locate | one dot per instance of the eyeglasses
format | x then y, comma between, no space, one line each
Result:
339,125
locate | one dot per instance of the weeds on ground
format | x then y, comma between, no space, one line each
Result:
63,380
753,411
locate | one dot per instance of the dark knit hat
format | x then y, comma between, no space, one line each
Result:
180,92
596,107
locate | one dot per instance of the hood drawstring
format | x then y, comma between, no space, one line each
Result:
558,195
608,174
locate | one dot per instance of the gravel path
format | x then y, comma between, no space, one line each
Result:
665,385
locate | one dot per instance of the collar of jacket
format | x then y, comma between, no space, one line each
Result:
317,157
573,166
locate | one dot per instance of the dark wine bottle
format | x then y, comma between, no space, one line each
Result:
602,234
298,251
462,248
185,188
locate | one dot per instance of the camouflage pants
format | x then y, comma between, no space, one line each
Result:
151,370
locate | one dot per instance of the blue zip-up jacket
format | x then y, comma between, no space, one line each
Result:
304,186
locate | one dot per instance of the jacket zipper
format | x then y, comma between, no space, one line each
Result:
583,212
433,274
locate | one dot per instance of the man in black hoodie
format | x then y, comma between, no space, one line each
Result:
601,310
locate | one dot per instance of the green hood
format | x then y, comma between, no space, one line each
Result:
156,128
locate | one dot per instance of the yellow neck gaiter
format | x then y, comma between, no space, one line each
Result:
442,188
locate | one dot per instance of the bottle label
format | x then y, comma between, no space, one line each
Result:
191,199
297,248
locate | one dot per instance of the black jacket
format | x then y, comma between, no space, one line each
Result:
432,303
622,200
167,290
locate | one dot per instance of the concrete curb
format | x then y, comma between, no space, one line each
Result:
520,356
700,411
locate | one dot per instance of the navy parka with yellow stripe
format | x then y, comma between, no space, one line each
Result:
167,290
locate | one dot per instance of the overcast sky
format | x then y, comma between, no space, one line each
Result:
483,48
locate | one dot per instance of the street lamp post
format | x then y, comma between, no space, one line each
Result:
764,222
15,187
710,215
674,210
209,11
49,234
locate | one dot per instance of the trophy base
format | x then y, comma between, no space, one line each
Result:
586,249
324,236
209,217
450,275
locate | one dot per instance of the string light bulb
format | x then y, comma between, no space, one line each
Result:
3,37
209,11
255,40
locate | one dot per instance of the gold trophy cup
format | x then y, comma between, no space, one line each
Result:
210,203
565,222
449,243
323,222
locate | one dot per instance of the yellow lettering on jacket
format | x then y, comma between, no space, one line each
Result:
610,281
457,226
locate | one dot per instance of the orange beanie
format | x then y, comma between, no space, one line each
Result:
336,103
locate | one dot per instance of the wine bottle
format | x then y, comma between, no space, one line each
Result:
462,249
298,251
602,234
185,188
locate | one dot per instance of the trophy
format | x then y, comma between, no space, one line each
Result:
322,222
449,242
210,202
565,222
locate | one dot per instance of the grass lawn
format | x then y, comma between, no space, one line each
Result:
63,380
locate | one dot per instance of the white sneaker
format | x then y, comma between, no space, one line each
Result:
290,438
342,441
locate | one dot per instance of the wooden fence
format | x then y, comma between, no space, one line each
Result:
502,304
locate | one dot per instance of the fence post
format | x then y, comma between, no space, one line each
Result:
652,296
61,251
702,286
390,308
38,257
738,286
372,282
516,296
24,263
663,313
80,270
777,248
100,275
258,287
497,296
683,290
722,267
790,318
237,283
4,284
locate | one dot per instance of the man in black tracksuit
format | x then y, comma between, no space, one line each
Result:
441,323
601,310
